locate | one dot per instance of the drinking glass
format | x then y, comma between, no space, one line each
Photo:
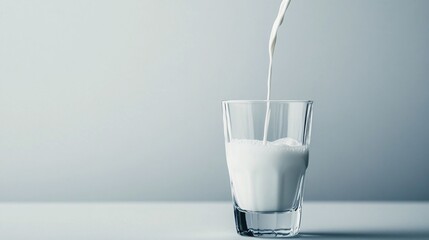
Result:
267,148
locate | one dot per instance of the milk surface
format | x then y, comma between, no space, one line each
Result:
266,176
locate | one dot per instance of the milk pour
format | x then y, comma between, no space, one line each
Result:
272,44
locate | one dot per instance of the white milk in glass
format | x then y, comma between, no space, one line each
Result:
266,177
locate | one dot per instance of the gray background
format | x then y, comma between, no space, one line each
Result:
120,100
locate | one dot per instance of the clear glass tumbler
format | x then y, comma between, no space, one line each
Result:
267,145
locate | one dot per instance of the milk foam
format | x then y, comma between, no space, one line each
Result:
266,176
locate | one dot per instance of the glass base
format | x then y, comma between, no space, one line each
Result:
267,224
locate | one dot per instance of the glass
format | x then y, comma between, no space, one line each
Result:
267,174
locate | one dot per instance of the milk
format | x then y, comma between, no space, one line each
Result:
271,46
266,176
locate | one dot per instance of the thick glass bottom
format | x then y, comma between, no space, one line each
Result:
267,224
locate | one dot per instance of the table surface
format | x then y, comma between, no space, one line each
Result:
205,220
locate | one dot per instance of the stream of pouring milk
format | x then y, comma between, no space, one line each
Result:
272,44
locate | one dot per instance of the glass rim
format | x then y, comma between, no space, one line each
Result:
265,101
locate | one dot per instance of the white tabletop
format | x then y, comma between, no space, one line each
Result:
205,220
